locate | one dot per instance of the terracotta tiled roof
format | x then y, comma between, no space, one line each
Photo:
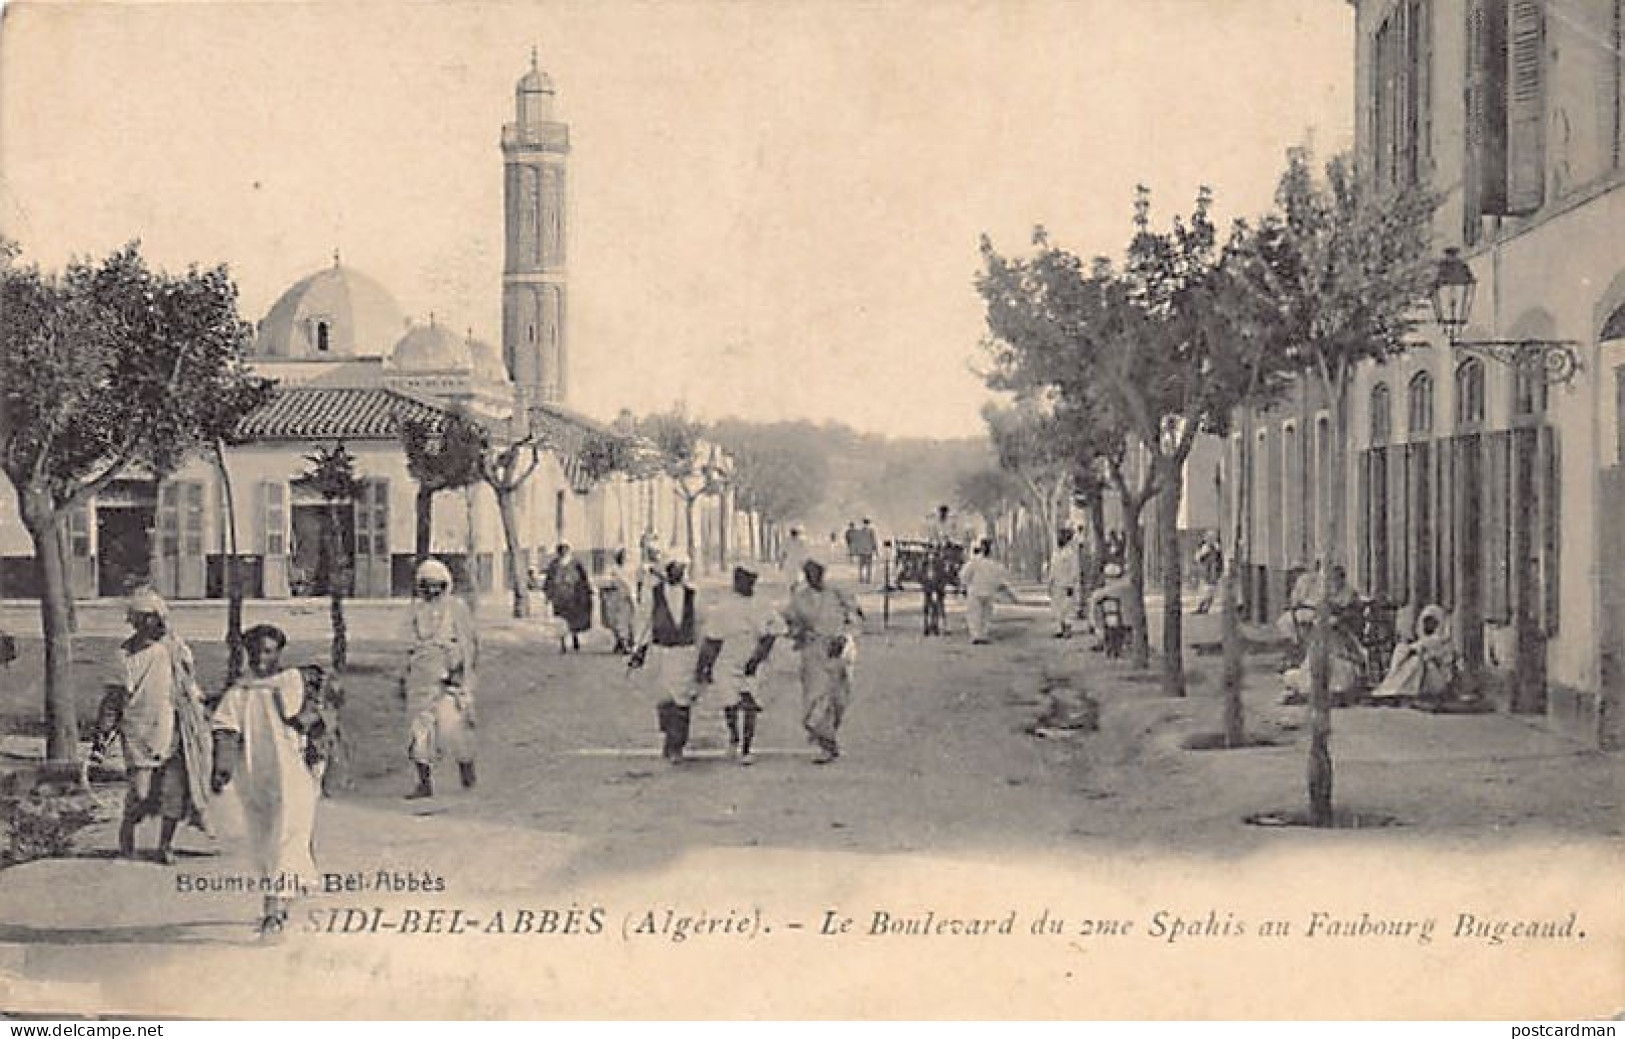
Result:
564,432
313,412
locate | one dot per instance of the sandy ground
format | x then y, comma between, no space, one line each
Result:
941,802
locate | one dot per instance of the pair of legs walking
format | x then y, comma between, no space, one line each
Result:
161,791
676,719
444,726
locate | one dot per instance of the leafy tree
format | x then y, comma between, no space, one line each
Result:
1031,446
604,454
331,474
679,441
444,453
1335,270
991,493
781,469
1151,345
505,470
105,365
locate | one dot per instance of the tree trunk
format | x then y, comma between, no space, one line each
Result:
424,512
61,718
336,571
688,533
1134,551
155,544
510,535
471,587
234,577
724,525
1173,580
1097,545
1235,723
65,537
1320,694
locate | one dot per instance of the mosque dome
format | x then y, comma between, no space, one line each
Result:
431,348
338,312
487,361
535,82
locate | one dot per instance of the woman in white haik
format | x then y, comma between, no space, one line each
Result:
260,751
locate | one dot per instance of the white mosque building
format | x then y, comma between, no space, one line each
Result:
349,366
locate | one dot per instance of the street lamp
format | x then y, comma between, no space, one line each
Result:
1554,361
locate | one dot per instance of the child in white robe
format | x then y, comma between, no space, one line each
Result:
260,751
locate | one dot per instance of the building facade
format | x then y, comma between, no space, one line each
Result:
1477,482
349,367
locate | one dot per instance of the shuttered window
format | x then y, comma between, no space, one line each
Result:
1398,524
1419,407
191,503
1485,119
1470,394
1378,525
1362,536
1526,106
1401,85
1619,415
1382,420
169,538
79,531
1419,539
274,518
372,518
1495,510
1445,529
1292,459
1617,38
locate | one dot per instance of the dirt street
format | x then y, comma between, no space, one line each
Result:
938,779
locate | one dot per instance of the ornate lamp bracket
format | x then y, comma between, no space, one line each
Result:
1554,361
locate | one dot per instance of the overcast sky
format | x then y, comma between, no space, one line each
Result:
774,206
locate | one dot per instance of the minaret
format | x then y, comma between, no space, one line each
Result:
534,151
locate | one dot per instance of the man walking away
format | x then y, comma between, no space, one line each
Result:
865,544
1065,574
984,579
1210,563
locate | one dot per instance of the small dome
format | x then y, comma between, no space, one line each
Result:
336,312
535,82
487,360
430,348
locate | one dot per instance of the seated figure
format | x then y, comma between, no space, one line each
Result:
1423,668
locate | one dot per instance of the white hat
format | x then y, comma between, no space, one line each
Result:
146,600
433,570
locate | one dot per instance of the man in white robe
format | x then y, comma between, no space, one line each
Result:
1065,575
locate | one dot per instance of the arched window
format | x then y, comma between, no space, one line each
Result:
321,337
1419,406
1382,421
1470,394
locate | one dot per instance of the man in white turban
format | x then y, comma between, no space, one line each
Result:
151,699
437,685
